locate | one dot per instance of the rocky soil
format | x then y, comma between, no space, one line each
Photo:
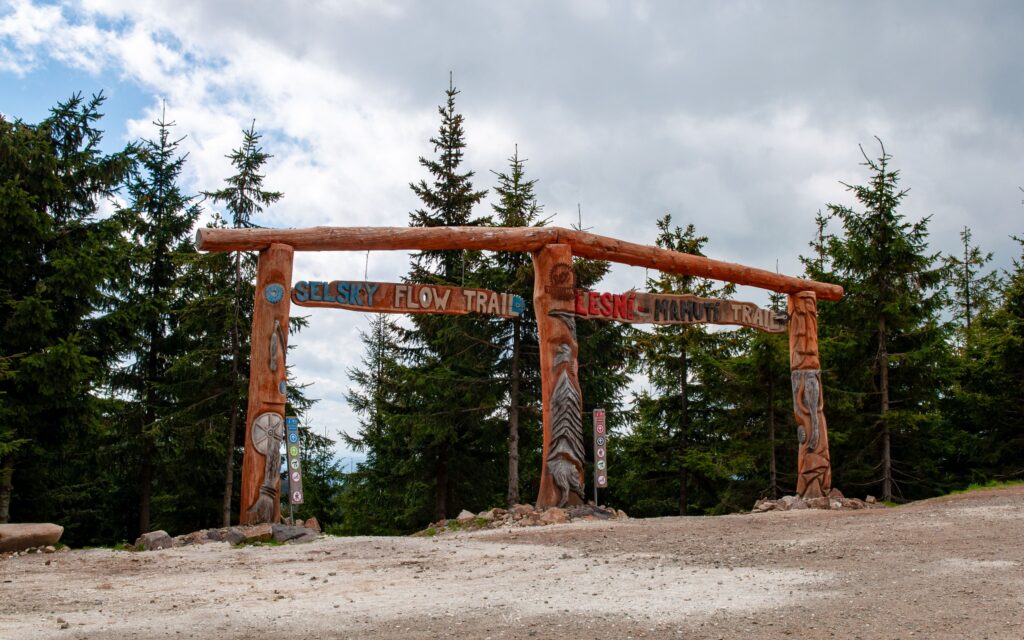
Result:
946,568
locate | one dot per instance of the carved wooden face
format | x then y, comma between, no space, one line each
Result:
806,304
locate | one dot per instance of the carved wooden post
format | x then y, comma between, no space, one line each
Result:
261,478
561,479
814,469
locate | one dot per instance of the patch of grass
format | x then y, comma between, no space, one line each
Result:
124,546
454,525
479,522
991,484
258,543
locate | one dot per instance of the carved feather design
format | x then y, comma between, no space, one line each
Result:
276,342
807,400
565,457
563,355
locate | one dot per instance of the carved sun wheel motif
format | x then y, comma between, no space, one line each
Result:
267,427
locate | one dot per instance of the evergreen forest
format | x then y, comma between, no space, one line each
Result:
124,352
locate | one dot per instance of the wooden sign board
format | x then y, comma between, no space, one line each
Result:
662,308
389,297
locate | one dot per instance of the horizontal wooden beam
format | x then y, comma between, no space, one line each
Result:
587,245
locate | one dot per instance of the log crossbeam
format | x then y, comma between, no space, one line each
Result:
526,239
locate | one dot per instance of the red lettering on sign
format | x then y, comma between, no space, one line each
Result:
594,308
581,309
606,305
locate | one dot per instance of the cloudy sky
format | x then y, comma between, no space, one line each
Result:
740,117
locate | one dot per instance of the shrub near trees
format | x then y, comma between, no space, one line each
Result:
123,356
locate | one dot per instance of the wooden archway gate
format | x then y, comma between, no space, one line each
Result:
553,248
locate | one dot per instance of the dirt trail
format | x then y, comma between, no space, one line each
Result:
946,568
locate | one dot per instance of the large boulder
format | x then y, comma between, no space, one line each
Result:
312,523
248,534
154,540
18,537
291,534
554,515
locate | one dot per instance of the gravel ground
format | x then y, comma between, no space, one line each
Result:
950,567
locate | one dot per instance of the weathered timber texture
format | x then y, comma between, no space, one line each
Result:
814,467
390,297
267,374
659,308
581,243
561,480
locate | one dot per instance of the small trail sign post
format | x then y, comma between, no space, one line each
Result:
294,469
600,453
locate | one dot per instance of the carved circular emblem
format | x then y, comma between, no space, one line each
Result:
295,464
600,452
293,451
602,480
295,476
561,275
266,428
600,441
273,293
560,282
600,464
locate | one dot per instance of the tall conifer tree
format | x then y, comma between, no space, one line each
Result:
887,322
243,197
56,335
160,219
517,206
672,357
452,357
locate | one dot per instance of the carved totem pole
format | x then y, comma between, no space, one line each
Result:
561,479
814,469
261,478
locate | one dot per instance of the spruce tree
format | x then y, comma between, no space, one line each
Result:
884,339
517,206
971,289
989,395
160,219
453,357
56,336
671,356
386,494
243,197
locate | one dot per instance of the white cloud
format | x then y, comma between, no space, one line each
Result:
738,119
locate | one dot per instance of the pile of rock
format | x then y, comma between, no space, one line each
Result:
24,552
523,515
307,531
834,500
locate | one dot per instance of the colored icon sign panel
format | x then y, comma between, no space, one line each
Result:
600,450
295,495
